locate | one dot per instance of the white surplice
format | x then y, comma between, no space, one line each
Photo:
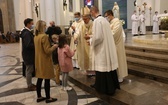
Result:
104,55
142,24
155,24
135,20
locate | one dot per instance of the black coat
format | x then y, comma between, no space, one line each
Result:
55,57
28,49
53,30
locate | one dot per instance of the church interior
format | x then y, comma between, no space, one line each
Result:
144,36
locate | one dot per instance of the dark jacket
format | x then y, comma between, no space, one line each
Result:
55,57
28,49
53,30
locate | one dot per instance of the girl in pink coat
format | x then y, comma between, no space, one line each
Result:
65,55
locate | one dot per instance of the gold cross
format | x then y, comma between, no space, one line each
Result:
144,4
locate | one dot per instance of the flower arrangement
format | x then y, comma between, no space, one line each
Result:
122,22
164,23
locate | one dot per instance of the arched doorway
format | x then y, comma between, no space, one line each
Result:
1,22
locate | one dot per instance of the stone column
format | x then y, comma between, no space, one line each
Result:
22,14
50,10
3,5
59,12
42,10
76,6
28,8
157,5
100,6
11,15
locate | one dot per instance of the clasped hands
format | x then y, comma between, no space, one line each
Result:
87,37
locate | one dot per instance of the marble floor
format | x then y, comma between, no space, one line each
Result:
13,91
13,88
134,90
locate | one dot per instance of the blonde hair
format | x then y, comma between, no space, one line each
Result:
40,27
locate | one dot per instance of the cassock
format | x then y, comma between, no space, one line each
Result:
83,47
74,35
104,57
117,31
142,24
135,20
155,24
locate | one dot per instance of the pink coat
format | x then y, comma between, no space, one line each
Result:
65,58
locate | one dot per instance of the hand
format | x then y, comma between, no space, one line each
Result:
87,37
76,42
88,42
73,28
52,44
55,46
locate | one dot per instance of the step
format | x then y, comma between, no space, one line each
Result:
161,66
147,55
80,79
148,73
145,48
134,90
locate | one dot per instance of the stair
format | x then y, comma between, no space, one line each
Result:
148,62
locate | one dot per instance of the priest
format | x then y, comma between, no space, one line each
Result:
84,57
104,55
142,23
117,31
74,31
135,20
155,23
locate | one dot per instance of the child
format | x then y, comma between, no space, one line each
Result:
65,60
55,60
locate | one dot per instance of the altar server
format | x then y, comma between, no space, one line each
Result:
142,23
135,20
155,23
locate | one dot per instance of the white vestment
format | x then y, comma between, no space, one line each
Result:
104,55
142,24
84,58
135,21
155,24
74,35
117,31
